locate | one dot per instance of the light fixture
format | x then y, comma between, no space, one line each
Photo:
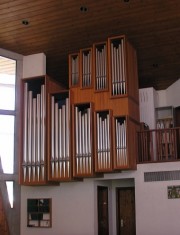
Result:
25,22
83,9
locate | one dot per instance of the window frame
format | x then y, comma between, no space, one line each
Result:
13,214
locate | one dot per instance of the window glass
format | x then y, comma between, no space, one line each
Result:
7,93
7,102
7,142
10,185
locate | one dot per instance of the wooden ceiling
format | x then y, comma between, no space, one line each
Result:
60,27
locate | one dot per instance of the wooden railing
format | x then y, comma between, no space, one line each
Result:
159,145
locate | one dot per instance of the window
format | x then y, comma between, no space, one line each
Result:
7,113
11,70
7,119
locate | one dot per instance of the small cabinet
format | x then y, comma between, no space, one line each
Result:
164,117
39,213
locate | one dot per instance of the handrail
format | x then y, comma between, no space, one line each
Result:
158,145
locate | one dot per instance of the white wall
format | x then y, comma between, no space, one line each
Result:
72,208
162,98
170,96
147,100
173,94
34,65
155,213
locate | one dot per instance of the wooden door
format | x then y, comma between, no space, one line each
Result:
103,224
177,116
125,211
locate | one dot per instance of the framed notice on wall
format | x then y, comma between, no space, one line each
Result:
173,192
39,212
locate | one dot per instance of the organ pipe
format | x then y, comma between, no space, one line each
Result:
121,146
118,68
83,140
103,140
60,129
34,134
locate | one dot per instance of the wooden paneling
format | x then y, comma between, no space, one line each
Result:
58,28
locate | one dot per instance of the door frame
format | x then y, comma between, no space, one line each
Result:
106,188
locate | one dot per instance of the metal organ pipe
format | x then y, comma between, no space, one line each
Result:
100,58
118,68
103,141
83,140
42,131
52,136
25,131
61,139
121,148
29,133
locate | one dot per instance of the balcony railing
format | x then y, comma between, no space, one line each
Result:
159,145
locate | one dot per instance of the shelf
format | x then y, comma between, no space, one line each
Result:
164,117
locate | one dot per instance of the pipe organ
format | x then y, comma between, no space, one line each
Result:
121,142
86,67
89,129
34,131
60,136
74,64
103,141
83,164
100,66
117,66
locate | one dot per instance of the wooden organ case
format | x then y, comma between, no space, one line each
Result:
88,129
104,96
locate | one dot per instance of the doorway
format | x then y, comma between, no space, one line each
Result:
125,204
103,224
